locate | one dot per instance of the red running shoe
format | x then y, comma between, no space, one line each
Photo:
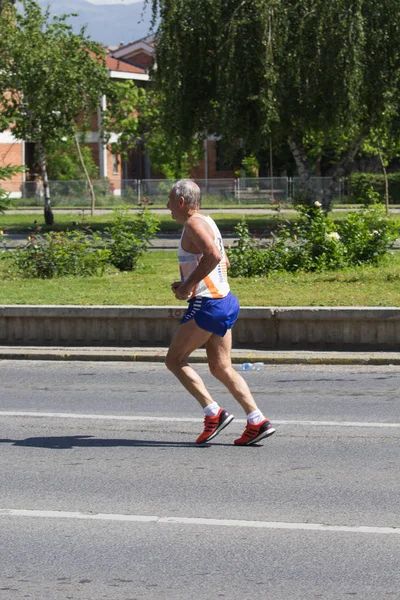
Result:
254,433
213,425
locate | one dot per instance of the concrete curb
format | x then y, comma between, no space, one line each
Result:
199,356
344,329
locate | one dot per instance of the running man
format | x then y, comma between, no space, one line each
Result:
211,313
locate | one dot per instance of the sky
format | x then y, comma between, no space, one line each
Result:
114,1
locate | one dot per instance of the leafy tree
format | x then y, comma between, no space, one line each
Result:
125,107
49,76
311,74
134,114
3,4
63,162
383,142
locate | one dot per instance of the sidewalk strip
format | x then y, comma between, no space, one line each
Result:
143,418
50,514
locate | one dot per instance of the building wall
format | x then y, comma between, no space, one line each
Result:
11,153
141,58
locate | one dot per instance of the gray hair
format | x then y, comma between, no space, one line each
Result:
190,192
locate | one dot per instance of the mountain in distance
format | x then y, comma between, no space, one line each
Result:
109,24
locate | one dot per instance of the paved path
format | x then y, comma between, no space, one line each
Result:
158,354
105,495
164,241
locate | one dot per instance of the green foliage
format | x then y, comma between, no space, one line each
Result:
50,73
134,113
367,234
49,76
319,77
6,172
126,105
83,253
314,244
169,157
245,258
61,254
130,238
250,165
63,163
4,200
361,183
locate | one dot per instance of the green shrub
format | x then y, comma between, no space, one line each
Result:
4,200
130,238
314,243
367,235
359,183
61,254
7,172
245,257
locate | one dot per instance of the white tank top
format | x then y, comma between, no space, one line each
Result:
215,285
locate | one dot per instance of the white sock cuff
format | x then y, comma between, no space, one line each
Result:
255,417
211,410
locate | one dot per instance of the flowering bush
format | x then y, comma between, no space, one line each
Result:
367,235
61,254
77,253
315,243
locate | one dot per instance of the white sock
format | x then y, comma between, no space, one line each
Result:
255,417
211,410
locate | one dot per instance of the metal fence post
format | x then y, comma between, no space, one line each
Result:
290,188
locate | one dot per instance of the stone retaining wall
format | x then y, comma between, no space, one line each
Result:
258,328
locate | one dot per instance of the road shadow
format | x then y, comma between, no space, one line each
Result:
87,441
68,442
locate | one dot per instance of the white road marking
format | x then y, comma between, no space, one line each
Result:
53,415
56,514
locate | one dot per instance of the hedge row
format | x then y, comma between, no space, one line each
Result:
358,183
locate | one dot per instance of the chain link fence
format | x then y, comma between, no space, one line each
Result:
258,191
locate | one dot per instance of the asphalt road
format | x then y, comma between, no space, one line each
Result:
104,495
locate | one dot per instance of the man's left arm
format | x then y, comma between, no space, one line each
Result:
200,236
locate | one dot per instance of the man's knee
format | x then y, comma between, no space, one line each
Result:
174,362
219,370
169,362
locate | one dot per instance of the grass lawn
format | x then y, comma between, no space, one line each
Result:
29,223
150,285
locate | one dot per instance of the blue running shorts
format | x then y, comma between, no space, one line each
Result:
216,315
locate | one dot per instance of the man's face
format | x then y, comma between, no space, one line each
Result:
175,205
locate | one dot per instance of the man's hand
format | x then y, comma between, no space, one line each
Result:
175,285
181,290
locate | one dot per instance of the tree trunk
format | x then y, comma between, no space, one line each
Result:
386,182
91,190
48,213
341,169
303,168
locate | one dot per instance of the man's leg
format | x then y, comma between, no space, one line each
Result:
188,337
219,359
